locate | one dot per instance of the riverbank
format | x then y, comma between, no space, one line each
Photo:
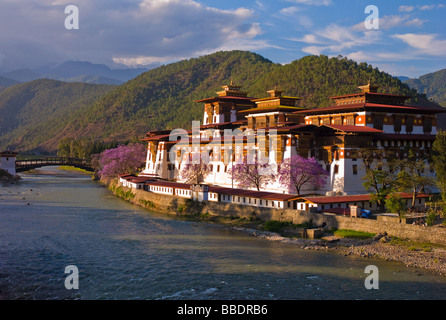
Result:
7,178
411,254
428,256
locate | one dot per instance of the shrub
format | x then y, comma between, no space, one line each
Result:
275,226
431,217
345,233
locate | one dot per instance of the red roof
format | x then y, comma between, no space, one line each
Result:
223,98
352,128
339,199
8,153
157,137
135,179
343,211
395,136
354,198
222,124
169,184
332,108
370,93
253,193
365,106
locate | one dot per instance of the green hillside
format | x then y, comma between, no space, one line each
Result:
164,97
431,84
33,114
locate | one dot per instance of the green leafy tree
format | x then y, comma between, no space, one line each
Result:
414,176
396,204
379,174
439,162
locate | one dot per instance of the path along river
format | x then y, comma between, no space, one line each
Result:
52,219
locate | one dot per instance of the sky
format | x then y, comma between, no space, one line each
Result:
404,38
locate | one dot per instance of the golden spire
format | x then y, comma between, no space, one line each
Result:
369,87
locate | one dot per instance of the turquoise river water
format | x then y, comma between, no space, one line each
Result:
53,219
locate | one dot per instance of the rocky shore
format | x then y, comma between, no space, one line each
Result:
7,178
379,247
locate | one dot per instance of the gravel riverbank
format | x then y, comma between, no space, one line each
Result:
433,259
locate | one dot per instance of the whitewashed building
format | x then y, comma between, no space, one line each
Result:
7,161
277,128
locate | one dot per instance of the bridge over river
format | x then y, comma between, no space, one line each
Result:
25,165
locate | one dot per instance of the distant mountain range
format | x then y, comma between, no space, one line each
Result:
76,71
35,115
433,85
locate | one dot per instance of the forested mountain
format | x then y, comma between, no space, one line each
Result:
431,84
32,114
164,97
77,71
5,82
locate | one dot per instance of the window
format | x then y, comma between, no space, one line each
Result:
350,121
378,122
397,124
427,125
409,124
355,169
336,169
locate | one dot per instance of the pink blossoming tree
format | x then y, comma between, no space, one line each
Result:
122,159
297,171
251,173
195,171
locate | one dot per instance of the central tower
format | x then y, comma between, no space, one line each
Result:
226,105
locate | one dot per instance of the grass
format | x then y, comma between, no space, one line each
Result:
70,168
275,226
417,246
345,233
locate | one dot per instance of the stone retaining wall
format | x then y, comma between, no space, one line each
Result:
182,206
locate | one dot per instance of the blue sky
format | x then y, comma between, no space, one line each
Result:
410,40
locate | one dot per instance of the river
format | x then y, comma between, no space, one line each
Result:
52,219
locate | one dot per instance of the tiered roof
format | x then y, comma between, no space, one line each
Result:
370,100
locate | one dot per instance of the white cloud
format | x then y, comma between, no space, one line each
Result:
314,2
289,11
426,44
335,39
432,7
406,8
308,38
133,32
305,21
379,56
392,21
